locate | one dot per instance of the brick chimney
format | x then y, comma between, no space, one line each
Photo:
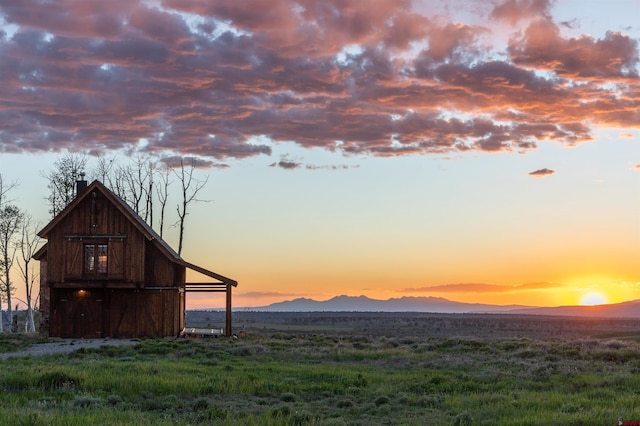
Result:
81,185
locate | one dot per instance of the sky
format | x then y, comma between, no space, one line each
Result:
480,151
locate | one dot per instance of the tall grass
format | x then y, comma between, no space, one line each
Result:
324,380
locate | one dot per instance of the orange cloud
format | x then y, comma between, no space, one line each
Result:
483,288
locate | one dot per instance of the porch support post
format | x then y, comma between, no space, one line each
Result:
227,328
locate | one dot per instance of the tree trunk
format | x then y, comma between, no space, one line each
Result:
31,326
7,286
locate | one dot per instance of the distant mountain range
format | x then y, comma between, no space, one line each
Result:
441,305
402,304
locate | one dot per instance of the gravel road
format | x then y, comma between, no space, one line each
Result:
66,346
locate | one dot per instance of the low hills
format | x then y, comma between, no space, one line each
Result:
343,303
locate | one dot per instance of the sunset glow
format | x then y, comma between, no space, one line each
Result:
482,152
592,299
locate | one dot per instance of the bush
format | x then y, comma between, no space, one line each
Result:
288,397
57,380
463,419
382,400
84,401
200,404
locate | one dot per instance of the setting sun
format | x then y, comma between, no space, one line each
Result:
592,299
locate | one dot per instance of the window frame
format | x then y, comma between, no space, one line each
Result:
95,261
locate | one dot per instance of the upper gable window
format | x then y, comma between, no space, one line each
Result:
95,259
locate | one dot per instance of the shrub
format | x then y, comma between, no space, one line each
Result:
344,403
616,344
382,400
211,414
301,418
463,419
57,380
84,401
431,401
281,411
200,404
288,397
114,400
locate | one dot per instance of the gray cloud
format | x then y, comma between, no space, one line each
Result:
542,172
210,79
286,164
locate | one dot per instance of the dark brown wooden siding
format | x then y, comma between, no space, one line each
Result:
159,270
96,216
97,313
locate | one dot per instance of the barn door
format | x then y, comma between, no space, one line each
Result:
77,313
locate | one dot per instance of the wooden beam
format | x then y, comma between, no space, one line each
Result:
209,273
207,284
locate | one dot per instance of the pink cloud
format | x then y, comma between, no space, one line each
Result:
514,11
337,75
614,56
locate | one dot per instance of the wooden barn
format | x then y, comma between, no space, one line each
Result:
105,273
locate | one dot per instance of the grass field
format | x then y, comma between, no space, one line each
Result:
284,373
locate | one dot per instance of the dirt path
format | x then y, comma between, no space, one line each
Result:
67,346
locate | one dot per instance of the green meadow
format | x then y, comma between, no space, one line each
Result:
298,378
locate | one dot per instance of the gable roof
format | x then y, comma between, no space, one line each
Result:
138,223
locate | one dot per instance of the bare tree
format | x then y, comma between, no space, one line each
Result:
10,220
132,182
151,172
103,170
116,183
162,191
4,190
190,188
62,180
27,248
135,190
138,178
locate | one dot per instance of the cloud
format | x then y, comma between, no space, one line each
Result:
175,161
615,56
286,163
331,167
482,288
514,11
637,166
542,172
291,164
209,79
265,294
